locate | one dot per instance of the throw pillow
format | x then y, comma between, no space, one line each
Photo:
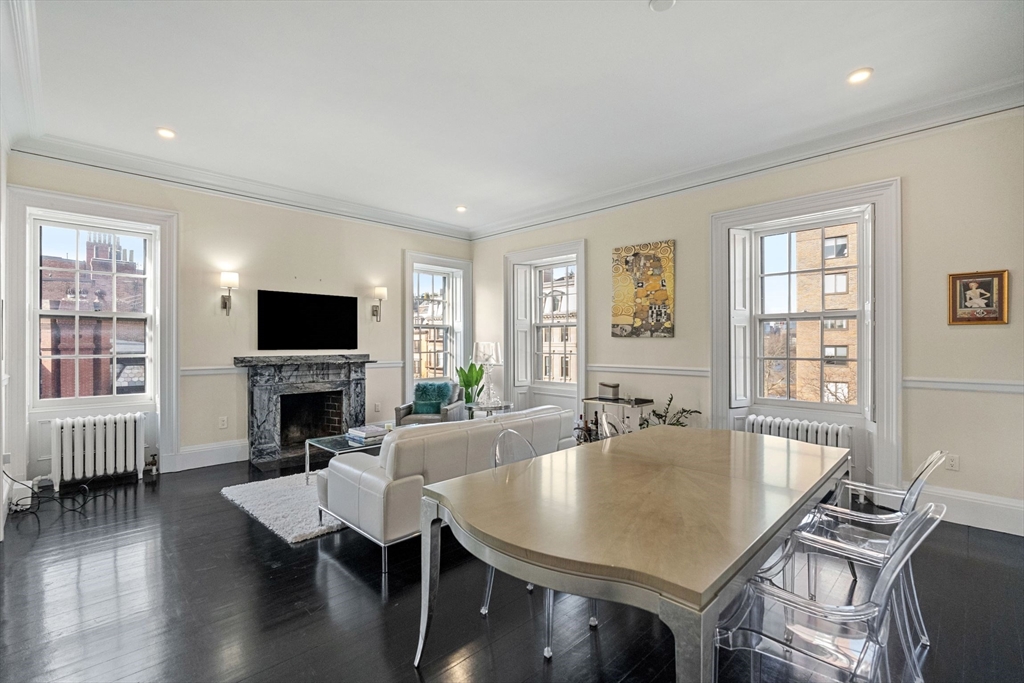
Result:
432,391
449,394
426,407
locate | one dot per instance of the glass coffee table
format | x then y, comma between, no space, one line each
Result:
337,445
487,410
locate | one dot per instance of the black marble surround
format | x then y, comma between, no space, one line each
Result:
272,376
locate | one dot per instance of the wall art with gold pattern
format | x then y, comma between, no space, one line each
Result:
643,290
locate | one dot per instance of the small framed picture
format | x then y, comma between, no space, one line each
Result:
978,298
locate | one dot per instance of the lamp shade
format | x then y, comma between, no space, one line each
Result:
380,293
229,280
487,353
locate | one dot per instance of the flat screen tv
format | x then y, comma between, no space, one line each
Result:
293,321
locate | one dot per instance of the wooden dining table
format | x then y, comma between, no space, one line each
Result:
667,519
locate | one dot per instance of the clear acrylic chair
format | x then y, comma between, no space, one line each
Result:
839,642
806,542
611,426
509,447
840,523
908,497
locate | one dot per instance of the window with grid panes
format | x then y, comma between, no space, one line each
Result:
554,322
807,315
93,312
432,336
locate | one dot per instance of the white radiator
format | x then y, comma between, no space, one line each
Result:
101,445
821,433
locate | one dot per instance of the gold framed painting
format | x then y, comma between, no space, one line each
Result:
979,298
643,290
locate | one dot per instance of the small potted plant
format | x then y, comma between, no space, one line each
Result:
667,417
469,379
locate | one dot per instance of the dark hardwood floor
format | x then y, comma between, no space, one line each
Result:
171,582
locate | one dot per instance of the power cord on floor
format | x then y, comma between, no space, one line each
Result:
37,499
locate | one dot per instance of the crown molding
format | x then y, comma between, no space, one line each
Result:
956,109
1002,99
26,46
70,151
1005,96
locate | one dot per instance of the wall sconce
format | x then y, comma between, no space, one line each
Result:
380,294
228,281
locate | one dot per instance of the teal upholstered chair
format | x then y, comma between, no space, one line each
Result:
433,402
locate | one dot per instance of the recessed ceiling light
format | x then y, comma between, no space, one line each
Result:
860,75
165,133
460,209
662,5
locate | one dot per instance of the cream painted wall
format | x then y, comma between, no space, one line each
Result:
963,209
4,155
271,248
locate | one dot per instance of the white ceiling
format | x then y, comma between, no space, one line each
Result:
522,111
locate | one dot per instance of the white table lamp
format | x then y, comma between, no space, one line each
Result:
487,354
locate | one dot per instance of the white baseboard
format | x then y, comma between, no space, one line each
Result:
205,455
978,509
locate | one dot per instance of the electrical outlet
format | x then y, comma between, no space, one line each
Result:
222,422
376,407
953,463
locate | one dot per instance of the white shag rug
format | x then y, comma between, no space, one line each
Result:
285,505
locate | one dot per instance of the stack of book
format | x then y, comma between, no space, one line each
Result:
369,435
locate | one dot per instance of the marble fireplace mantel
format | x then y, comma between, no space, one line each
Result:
272,376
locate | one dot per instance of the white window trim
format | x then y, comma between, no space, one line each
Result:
535,325
453,298
537,256
861,215
463,319
24,206
886,274
38,217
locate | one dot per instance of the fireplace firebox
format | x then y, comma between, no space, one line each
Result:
308,416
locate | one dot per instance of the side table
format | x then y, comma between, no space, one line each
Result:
487,410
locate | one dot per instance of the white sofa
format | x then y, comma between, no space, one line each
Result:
379,496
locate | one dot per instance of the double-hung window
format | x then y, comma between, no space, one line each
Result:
554,322
93,313
806,318
808,314
433,343
437,321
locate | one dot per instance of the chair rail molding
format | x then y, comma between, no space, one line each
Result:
673,370
988,386
211,370
201,370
